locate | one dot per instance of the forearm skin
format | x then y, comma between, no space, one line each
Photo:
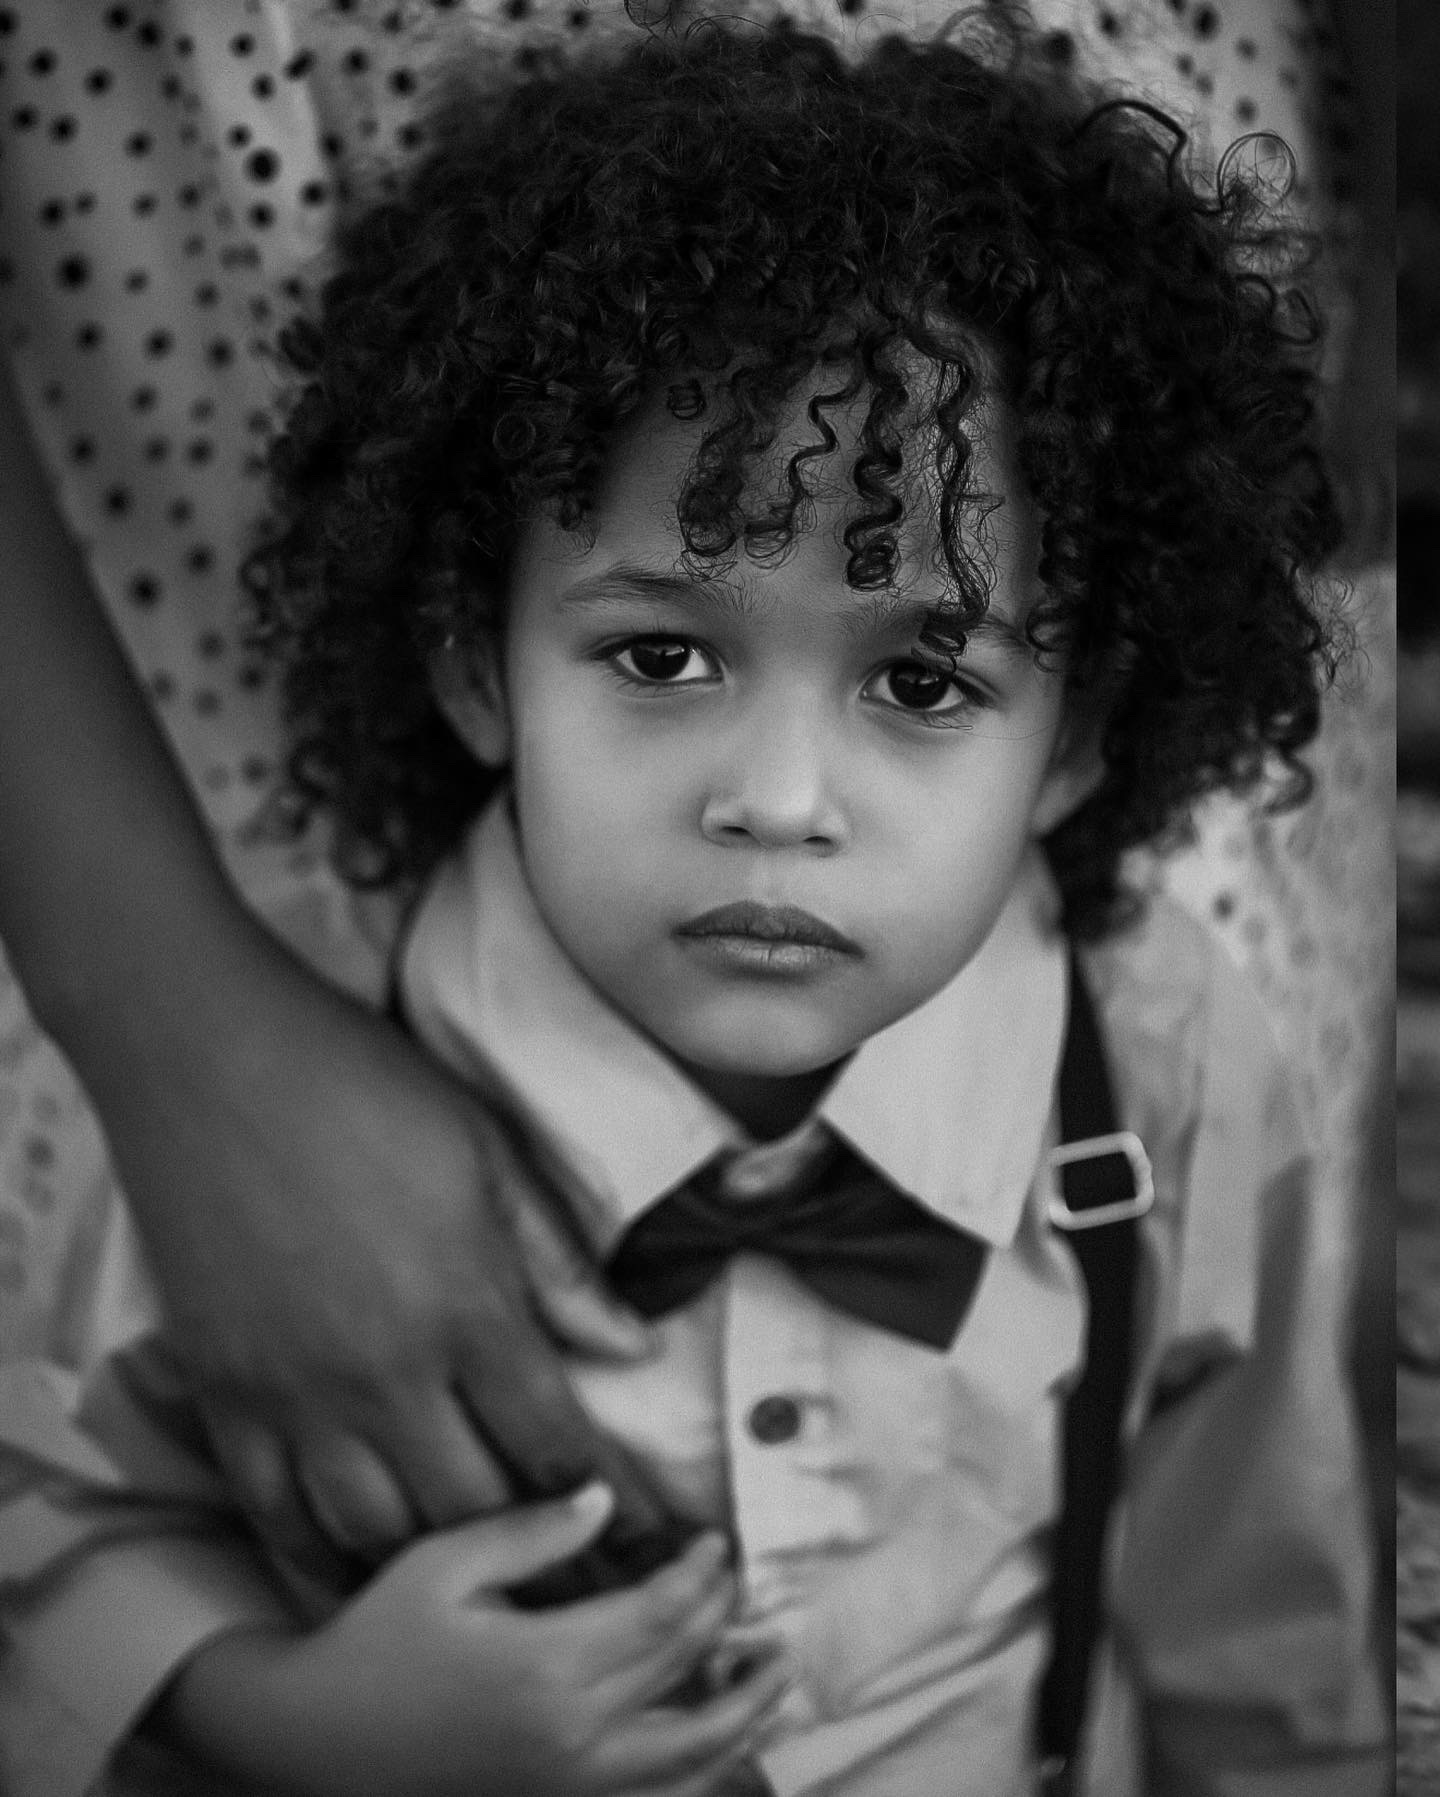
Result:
108,880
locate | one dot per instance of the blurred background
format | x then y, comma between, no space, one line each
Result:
1418,874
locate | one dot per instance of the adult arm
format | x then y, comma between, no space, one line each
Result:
325,1211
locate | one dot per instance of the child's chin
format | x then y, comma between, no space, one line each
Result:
762,1050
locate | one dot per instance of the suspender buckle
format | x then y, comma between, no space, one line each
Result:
1124,1144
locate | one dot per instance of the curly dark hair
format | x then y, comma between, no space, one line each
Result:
708,216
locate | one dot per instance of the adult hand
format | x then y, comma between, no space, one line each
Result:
428,1682
334,1223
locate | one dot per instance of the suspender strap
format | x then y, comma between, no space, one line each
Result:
1107,1175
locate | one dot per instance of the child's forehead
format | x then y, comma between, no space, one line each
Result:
650,459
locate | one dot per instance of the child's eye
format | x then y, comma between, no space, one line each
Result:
663,661
926,691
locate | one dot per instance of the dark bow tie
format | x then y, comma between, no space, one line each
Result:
855,1241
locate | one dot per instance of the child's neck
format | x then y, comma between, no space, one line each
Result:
766,1105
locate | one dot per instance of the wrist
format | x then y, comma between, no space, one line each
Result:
231,1708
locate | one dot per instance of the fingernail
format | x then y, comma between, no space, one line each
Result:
592,1502
710,1550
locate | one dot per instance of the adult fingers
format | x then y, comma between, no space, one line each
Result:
256,1464
524,1405
355,1499
495,1551
436,1454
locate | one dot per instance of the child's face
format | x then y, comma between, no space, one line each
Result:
700,764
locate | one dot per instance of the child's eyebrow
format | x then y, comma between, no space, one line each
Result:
626,582
870,614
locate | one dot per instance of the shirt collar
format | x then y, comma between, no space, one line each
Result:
950,1103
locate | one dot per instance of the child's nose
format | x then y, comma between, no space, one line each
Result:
777,790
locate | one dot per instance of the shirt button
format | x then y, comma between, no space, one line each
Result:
774,1420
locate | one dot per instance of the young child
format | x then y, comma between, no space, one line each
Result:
760,538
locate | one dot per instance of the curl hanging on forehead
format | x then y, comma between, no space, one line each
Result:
912,470
709,219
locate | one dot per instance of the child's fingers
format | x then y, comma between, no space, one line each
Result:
652,1675
460,1564
669,1746
634,1645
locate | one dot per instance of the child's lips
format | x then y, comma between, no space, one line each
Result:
754,938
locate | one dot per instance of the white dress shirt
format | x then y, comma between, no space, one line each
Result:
891,1505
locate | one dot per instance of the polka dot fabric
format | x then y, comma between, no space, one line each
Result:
1305,902
169,174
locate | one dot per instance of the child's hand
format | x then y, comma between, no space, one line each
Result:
429,1683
